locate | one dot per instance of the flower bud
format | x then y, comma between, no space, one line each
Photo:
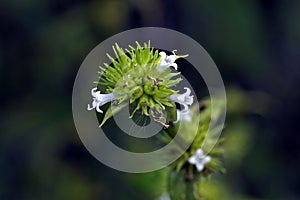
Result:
150,88
137,93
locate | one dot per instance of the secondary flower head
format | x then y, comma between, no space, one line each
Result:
185,99
199,160
100,99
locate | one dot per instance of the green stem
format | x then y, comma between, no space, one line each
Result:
179,140
189,183
190,191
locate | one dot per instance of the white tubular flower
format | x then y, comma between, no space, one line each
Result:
199,159
185,99
167,61
100,100
183,115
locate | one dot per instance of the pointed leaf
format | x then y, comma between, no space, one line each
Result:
109,113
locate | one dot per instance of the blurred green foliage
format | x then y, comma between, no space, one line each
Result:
254,43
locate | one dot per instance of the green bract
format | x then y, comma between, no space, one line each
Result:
201,122
134,77
184,176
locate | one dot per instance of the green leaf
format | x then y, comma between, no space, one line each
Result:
179,188
171,113
109,113
176,185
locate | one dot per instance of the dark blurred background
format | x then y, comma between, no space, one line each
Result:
255,44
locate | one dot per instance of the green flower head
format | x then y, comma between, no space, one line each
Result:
142,77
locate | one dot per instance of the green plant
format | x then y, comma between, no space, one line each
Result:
142,77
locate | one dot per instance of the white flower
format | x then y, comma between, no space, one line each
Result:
164,197
100,100
167,61
199,159
183,115
185,99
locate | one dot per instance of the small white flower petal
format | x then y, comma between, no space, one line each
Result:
163,54
93,92
199,153
98,108
167,61
94,103
100,99
193,160
89,107
199,167
174,65
183,115
185,99
206,159
170,59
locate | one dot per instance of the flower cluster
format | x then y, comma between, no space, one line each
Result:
141,76
199,161
145,78
204,159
